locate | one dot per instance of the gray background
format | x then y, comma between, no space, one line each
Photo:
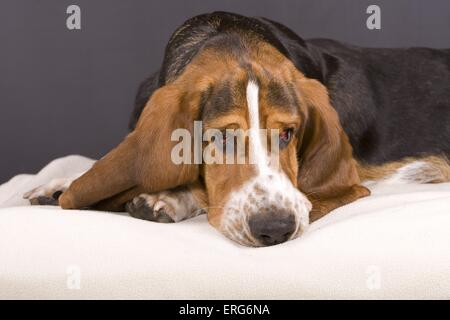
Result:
71,92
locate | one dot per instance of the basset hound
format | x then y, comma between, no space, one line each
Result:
343,115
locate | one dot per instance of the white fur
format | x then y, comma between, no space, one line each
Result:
48,189
401,174
269,187
258,154
178,205
415,172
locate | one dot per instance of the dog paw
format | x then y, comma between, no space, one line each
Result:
47,194
149,207
166,206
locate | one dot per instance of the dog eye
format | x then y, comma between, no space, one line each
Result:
219,138
285,137
223,139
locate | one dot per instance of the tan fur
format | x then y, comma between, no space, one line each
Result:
327,174
142,161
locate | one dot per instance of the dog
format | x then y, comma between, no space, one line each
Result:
345,115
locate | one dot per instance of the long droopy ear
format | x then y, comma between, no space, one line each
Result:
143,160
327,170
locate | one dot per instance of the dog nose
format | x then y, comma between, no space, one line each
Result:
272,228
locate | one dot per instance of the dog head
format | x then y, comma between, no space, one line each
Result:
296,163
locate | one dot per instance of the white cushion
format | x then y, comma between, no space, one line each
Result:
394,244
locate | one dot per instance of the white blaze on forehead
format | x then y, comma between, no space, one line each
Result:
258,154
